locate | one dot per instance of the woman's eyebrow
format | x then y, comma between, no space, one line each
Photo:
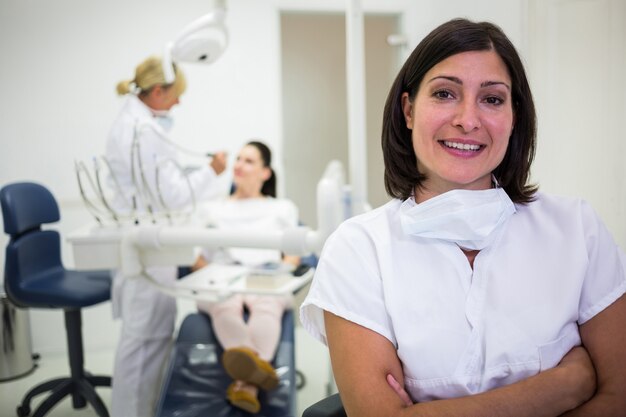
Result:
457,80
490,83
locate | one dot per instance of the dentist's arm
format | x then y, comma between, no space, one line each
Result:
362,361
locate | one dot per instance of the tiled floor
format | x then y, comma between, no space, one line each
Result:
311,359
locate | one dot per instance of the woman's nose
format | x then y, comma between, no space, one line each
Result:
467,116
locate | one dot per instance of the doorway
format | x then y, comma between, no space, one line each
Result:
315,125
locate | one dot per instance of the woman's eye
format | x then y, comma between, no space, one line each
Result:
494,100
442,94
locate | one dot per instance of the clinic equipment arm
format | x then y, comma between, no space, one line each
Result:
295,241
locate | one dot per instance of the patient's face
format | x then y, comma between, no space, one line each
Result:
249,171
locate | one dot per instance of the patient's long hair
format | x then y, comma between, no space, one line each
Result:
269,186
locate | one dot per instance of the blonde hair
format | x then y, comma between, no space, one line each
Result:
149,74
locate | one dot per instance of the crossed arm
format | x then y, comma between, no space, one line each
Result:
365,376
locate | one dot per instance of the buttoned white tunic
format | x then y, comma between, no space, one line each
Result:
460,331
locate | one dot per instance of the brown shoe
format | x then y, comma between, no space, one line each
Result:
244,364
240,398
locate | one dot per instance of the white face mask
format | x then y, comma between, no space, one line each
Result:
165,121
469,218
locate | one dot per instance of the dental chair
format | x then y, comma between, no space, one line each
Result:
328,407
34,277
195,382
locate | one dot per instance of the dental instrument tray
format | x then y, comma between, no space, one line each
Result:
215,282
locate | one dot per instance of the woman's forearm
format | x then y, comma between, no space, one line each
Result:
362,377
549,394
600,405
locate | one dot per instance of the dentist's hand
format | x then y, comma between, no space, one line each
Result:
218,163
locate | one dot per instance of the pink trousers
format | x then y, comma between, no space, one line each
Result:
260,333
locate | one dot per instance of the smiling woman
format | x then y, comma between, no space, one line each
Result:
438,282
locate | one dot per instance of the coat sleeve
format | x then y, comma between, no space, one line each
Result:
347,283
605,278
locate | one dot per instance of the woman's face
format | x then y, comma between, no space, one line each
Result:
169,98
162,98
461,121
249,171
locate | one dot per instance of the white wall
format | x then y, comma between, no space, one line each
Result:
578,55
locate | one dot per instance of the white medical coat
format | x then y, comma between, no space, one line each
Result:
136,116
460,331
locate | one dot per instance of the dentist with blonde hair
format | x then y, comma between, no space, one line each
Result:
137,145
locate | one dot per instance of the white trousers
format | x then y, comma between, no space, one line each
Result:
148,317
260,333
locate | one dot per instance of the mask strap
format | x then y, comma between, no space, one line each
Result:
495,182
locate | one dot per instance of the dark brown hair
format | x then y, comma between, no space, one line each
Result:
269,186
459,35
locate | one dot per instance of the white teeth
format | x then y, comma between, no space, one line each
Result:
462,146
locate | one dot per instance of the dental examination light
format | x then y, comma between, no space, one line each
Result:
202,41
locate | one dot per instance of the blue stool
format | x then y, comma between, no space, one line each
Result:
34,276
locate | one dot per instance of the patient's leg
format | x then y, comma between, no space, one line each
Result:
228,323
264,324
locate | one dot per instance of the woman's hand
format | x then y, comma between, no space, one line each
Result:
218,162
404,396
578,363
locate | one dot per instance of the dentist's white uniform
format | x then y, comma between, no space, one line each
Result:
148,315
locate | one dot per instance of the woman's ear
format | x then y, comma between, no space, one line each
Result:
407,109
266,174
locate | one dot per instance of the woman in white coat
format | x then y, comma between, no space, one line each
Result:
470,293
136,144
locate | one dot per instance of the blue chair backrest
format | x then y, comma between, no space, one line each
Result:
30,251
26,206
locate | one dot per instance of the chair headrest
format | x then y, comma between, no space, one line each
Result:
26,205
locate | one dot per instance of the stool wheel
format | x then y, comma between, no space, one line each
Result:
300,380
23,411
